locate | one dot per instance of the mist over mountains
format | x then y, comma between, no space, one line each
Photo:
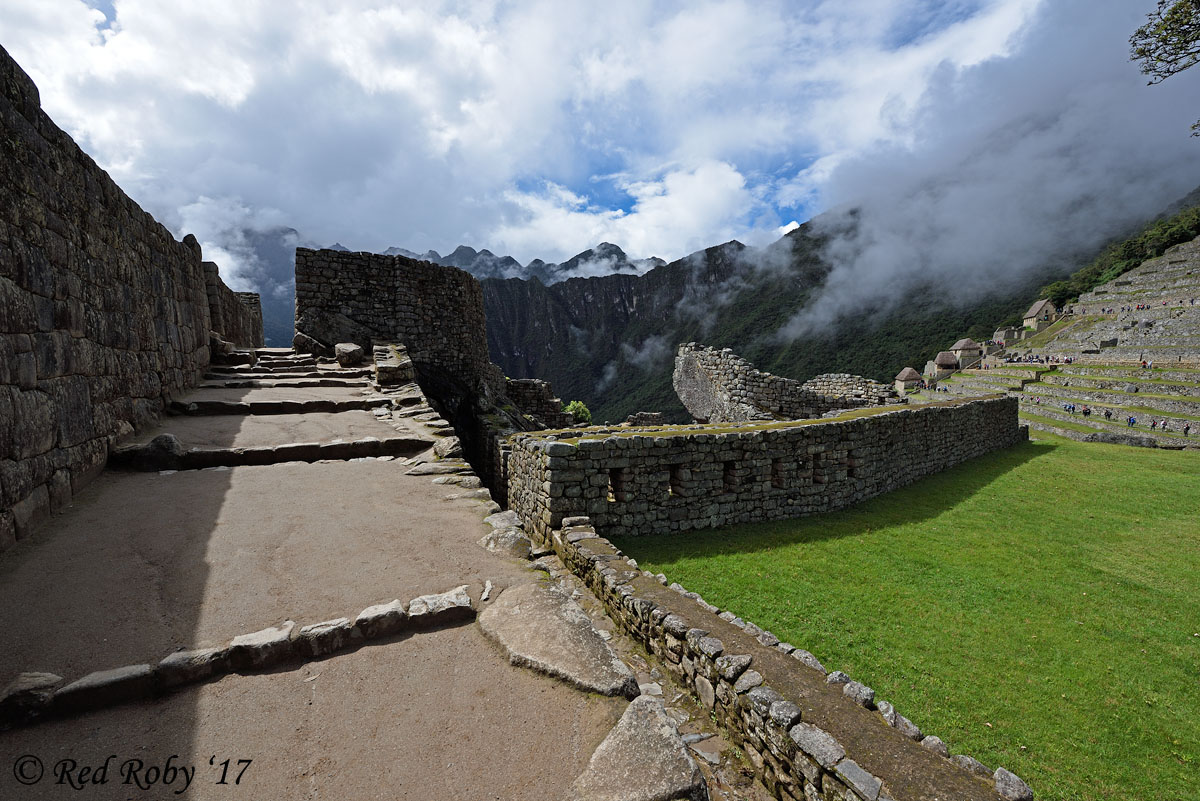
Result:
609,338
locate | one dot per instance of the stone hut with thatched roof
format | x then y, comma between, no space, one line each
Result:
942,365
967,351
906,380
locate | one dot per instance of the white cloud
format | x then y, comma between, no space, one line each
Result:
682,211
532,128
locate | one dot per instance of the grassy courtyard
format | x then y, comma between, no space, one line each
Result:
1037,608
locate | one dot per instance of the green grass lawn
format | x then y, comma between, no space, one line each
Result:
1037,608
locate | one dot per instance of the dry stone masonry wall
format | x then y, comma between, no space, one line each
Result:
720,386
631,484
436,312
103,314
235,316
536,398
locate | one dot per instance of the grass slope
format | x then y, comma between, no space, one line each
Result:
1037,608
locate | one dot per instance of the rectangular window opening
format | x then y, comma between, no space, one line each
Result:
616,484
777,480
675,481
729,477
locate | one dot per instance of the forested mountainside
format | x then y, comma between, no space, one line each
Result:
610,341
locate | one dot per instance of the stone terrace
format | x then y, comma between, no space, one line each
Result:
1166,331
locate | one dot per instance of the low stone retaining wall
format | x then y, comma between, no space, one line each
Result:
809,735
689,479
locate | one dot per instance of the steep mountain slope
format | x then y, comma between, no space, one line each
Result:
610,341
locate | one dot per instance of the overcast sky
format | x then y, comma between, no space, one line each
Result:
538,129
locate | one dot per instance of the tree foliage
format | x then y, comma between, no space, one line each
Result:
1169,42
578,410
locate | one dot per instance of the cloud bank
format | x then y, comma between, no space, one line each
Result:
539,129
1022,163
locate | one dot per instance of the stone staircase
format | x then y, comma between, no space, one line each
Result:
274,406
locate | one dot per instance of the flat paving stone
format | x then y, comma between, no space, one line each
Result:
642,759
143,564
543,629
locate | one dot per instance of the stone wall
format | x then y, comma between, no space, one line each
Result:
436,312
689,479
103,314
536,399
235,316
807,733
720,386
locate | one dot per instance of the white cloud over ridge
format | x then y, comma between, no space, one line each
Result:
539,129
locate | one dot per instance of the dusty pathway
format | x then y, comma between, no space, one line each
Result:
147,564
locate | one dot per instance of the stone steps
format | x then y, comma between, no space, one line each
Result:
156,455
276,407
307,364
290,383
227,374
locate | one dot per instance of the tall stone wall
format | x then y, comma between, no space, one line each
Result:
720,386
436,312
536,398
668,482
235,316
103,314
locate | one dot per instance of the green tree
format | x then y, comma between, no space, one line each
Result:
578,410
1169,42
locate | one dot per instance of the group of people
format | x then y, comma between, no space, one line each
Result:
1159,425
1034,359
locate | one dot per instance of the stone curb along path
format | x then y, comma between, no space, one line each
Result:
541,628
34,696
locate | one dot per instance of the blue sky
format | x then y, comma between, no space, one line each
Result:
539,129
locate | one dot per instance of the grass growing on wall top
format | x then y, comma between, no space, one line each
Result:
1037,608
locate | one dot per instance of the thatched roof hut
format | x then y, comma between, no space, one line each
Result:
946,360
